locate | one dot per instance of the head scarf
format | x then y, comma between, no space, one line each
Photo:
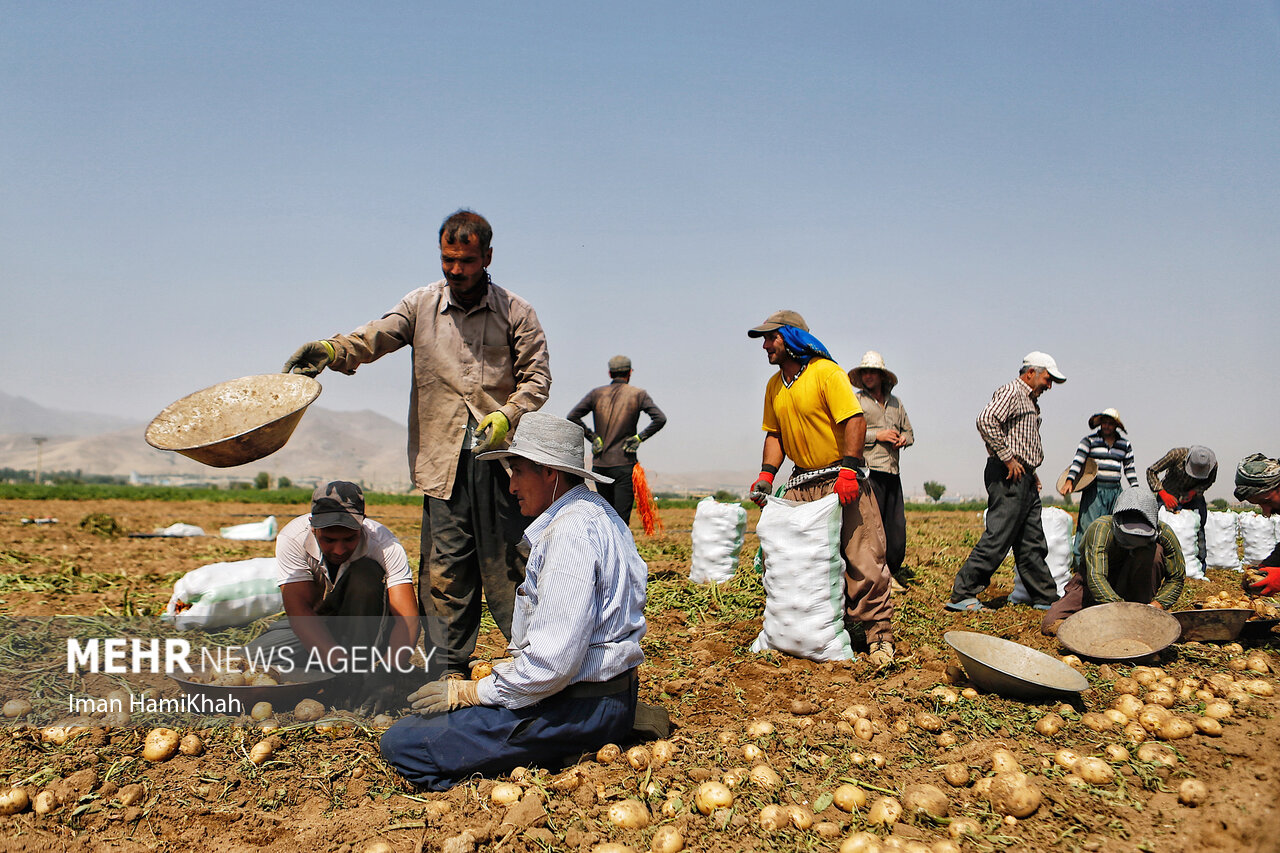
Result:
1256,475
801,345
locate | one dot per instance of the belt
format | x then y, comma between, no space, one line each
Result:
591,689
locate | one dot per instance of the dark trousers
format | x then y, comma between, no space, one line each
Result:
470,543
438,752
893,516
1013,520
1095,501
620,493
356,612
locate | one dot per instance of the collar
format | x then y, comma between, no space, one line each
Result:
486,303
539,525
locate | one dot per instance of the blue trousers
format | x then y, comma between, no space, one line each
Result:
1095,502
438,752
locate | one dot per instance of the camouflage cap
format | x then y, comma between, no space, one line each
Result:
1256,475
337,504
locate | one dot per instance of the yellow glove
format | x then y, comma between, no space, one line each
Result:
491,431
447,694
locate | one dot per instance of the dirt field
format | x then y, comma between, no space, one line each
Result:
324,787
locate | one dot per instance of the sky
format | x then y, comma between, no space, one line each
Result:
191,191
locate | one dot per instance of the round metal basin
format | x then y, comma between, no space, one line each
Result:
1214,626
1012,669
303,685
236,422
1119,631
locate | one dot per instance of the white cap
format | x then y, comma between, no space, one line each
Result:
1045,361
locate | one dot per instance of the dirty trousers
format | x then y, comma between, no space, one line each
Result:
862,544
469,544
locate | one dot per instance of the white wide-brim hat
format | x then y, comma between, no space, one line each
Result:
1106,413
549,441
872,360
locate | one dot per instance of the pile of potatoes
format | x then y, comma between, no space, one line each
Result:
238,672
1262,609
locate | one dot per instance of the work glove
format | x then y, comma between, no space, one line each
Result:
1169,501
1269,585
491,431
311,358
847,479
761,488
631,445
597,446
446,694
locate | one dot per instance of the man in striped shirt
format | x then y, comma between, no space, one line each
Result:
1010,428
570,684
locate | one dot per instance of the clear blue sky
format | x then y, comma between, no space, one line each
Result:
193,190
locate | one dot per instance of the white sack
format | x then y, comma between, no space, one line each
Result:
262,531
179,528
220,595
1220,547
1259,534
718,530
803,580
1058,532
1186,526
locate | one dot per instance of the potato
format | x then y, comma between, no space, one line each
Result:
801,817
1163,698
608,753
1066,759
1152,717
945,740
1126,686
1130,706
262,711
160,744
727,737
59,735
804,708
710,796
229,679
856,712
663,752
308,710
957,775
1097,722
131,795
1050,724
1015,795
861,842
16,708
764,776
884,811
1117,753
1095,771
1192,792
638,757
925,799
969,693
946,695
1117,718
759,728
44,802
849,798
1157,753
260,679
673,807
667,839
945,845
481,669
902,725
191,744
862,729
1259,687
1004,761
773,817
1135,733
629,814
1208,726
13,801
1175,728
828,829
961,826
382,721
261,751
268,726
752,753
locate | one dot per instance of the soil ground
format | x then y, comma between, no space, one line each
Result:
326,789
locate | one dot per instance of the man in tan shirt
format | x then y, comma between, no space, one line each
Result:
479,363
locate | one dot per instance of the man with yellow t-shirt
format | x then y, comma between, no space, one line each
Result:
812,417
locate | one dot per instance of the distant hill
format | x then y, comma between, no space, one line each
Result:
20,415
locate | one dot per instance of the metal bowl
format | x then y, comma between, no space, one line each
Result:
236,422
1259,629
1215,626
303,685
1121,630
1011,669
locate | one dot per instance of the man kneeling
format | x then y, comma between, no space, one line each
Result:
575,638
1127,556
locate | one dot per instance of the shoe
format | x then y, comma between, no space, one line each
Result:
881,653
896,587
968,605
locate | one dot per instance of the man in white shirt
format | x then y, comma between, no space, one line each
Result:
575,640
348,594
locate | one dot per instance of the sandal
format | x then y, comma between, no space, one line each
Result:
968,605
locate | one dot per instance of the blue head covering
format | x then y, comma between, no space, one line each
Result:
801,345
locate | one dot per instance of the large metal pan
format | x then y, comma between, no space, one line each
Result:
1011,669
303,684
1215,626
1119,631
236,422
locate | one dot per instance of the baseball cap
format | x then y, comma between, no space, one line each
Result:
776,321
337,504
1045,361
619,363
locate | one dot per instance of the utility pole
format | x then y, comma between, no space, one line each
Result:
39,440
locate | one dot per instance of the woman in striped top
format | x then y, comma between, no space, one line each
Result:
1114,457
